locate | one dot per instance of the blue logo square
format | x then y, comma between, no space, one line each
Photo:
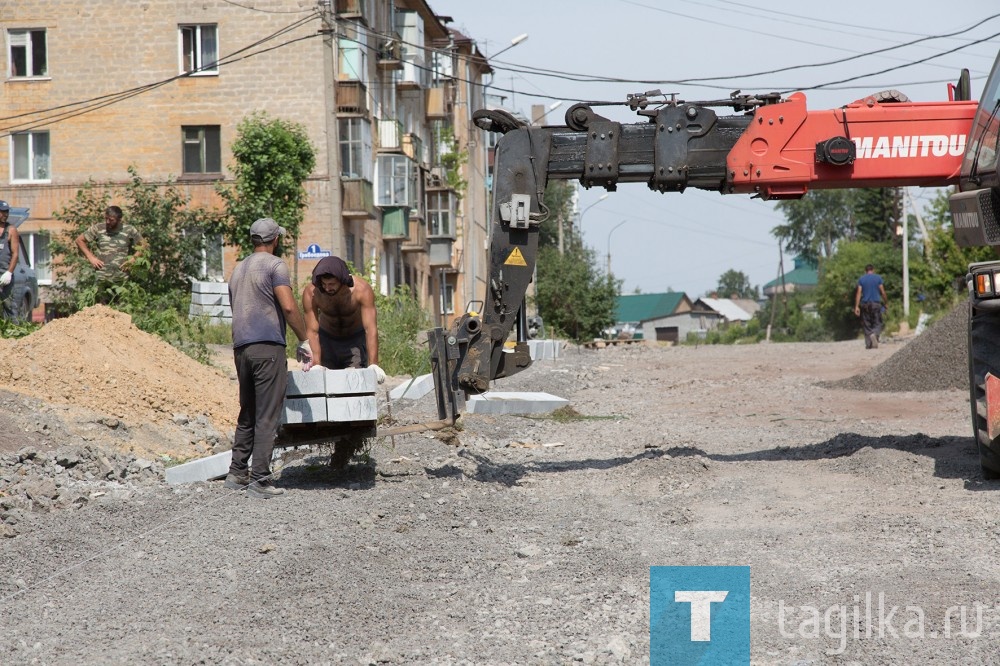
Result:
699,615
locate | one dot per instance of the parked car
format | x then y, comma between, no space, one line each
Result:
24,280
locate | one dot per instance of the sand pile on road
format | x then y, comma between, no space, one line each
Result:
99,360
935,360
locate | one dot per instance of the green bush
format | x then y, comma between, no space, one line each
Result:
400,321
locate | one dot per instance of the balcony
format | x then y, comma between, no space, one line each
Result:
357,198
439,105
351,9
395,223
390,135
416,241
389,56
352,97
440,252
413,147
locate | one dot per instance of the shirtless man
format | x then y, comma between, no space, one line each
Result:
340,318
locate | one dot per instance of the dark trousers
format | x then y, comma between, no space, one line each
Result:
263,377
871,322
341,353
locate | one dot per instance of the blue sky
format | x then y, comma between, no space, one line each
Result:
686,241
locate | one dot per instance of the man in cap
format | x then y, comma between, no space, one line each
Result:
111,248
340,318
9,248
260,294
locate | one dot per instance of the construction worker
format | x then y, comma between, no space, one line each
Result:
260,294
869,300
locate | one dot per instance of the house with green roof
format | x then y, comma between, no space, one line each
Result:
804,277
665,317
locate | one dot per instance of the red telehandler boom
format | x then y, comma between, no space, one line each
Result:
771,147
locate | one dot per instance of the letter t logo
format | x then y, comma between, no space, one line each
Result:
701,610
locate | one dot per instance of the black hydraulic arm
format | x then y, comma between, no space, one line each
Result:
681,145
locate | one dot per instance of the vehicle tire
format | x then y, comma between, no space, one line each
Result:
984,357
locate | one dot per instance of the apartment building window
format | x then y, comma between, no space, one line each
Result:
397,181
37,246
211,258
31,157
356,148
202,149
199,49
353,49
349,251
440,213
410,27
27,53
447,299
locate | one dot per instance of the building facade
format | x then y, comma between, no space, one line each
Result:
383,89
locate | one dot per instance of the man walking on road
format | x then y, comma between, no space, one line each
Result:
868,304
260,294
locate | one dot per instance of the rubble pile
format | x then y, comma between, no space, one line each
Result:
37,480
935,360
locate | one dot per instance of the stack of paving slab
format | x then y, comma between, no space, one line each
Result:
544,350
330,396
211,299
316,396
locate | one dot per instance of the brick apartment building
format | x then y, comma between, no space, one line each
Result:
93,87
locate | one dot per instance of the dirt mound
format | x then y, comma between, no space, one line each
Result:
935,360
97,359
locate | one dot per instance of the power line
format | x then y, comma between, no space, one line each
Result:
270,11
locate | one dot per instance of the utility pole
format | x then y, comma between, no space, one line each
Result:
332,126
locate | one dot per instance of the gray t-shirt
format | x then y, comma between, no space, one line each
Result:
257,315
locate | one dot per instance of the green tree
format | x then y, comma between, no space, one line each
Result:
572,294
558,200
815,223
736,284
272,158
158,291
876,214
837,285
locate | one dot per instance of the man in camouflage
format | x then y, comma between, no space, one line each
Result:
111,248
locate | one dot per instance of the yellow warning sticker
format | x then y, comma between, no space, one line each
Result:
516,259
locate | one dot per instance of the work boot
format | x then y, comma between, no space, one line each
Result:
237,481
342,454
263,489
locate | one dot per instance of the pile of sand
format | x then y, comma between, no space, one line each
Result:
97,359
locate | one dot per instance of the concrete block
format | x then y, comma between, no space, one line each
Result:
306,383
203,469
352,408
210,288
421,386
544,350
351,381
209,299
210,310
305,410
514,402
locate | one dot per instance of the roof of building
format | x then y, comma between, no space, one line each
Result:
804,275
640,307
727,308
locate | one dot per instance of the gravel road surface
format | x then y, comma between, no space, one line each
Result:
522,540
